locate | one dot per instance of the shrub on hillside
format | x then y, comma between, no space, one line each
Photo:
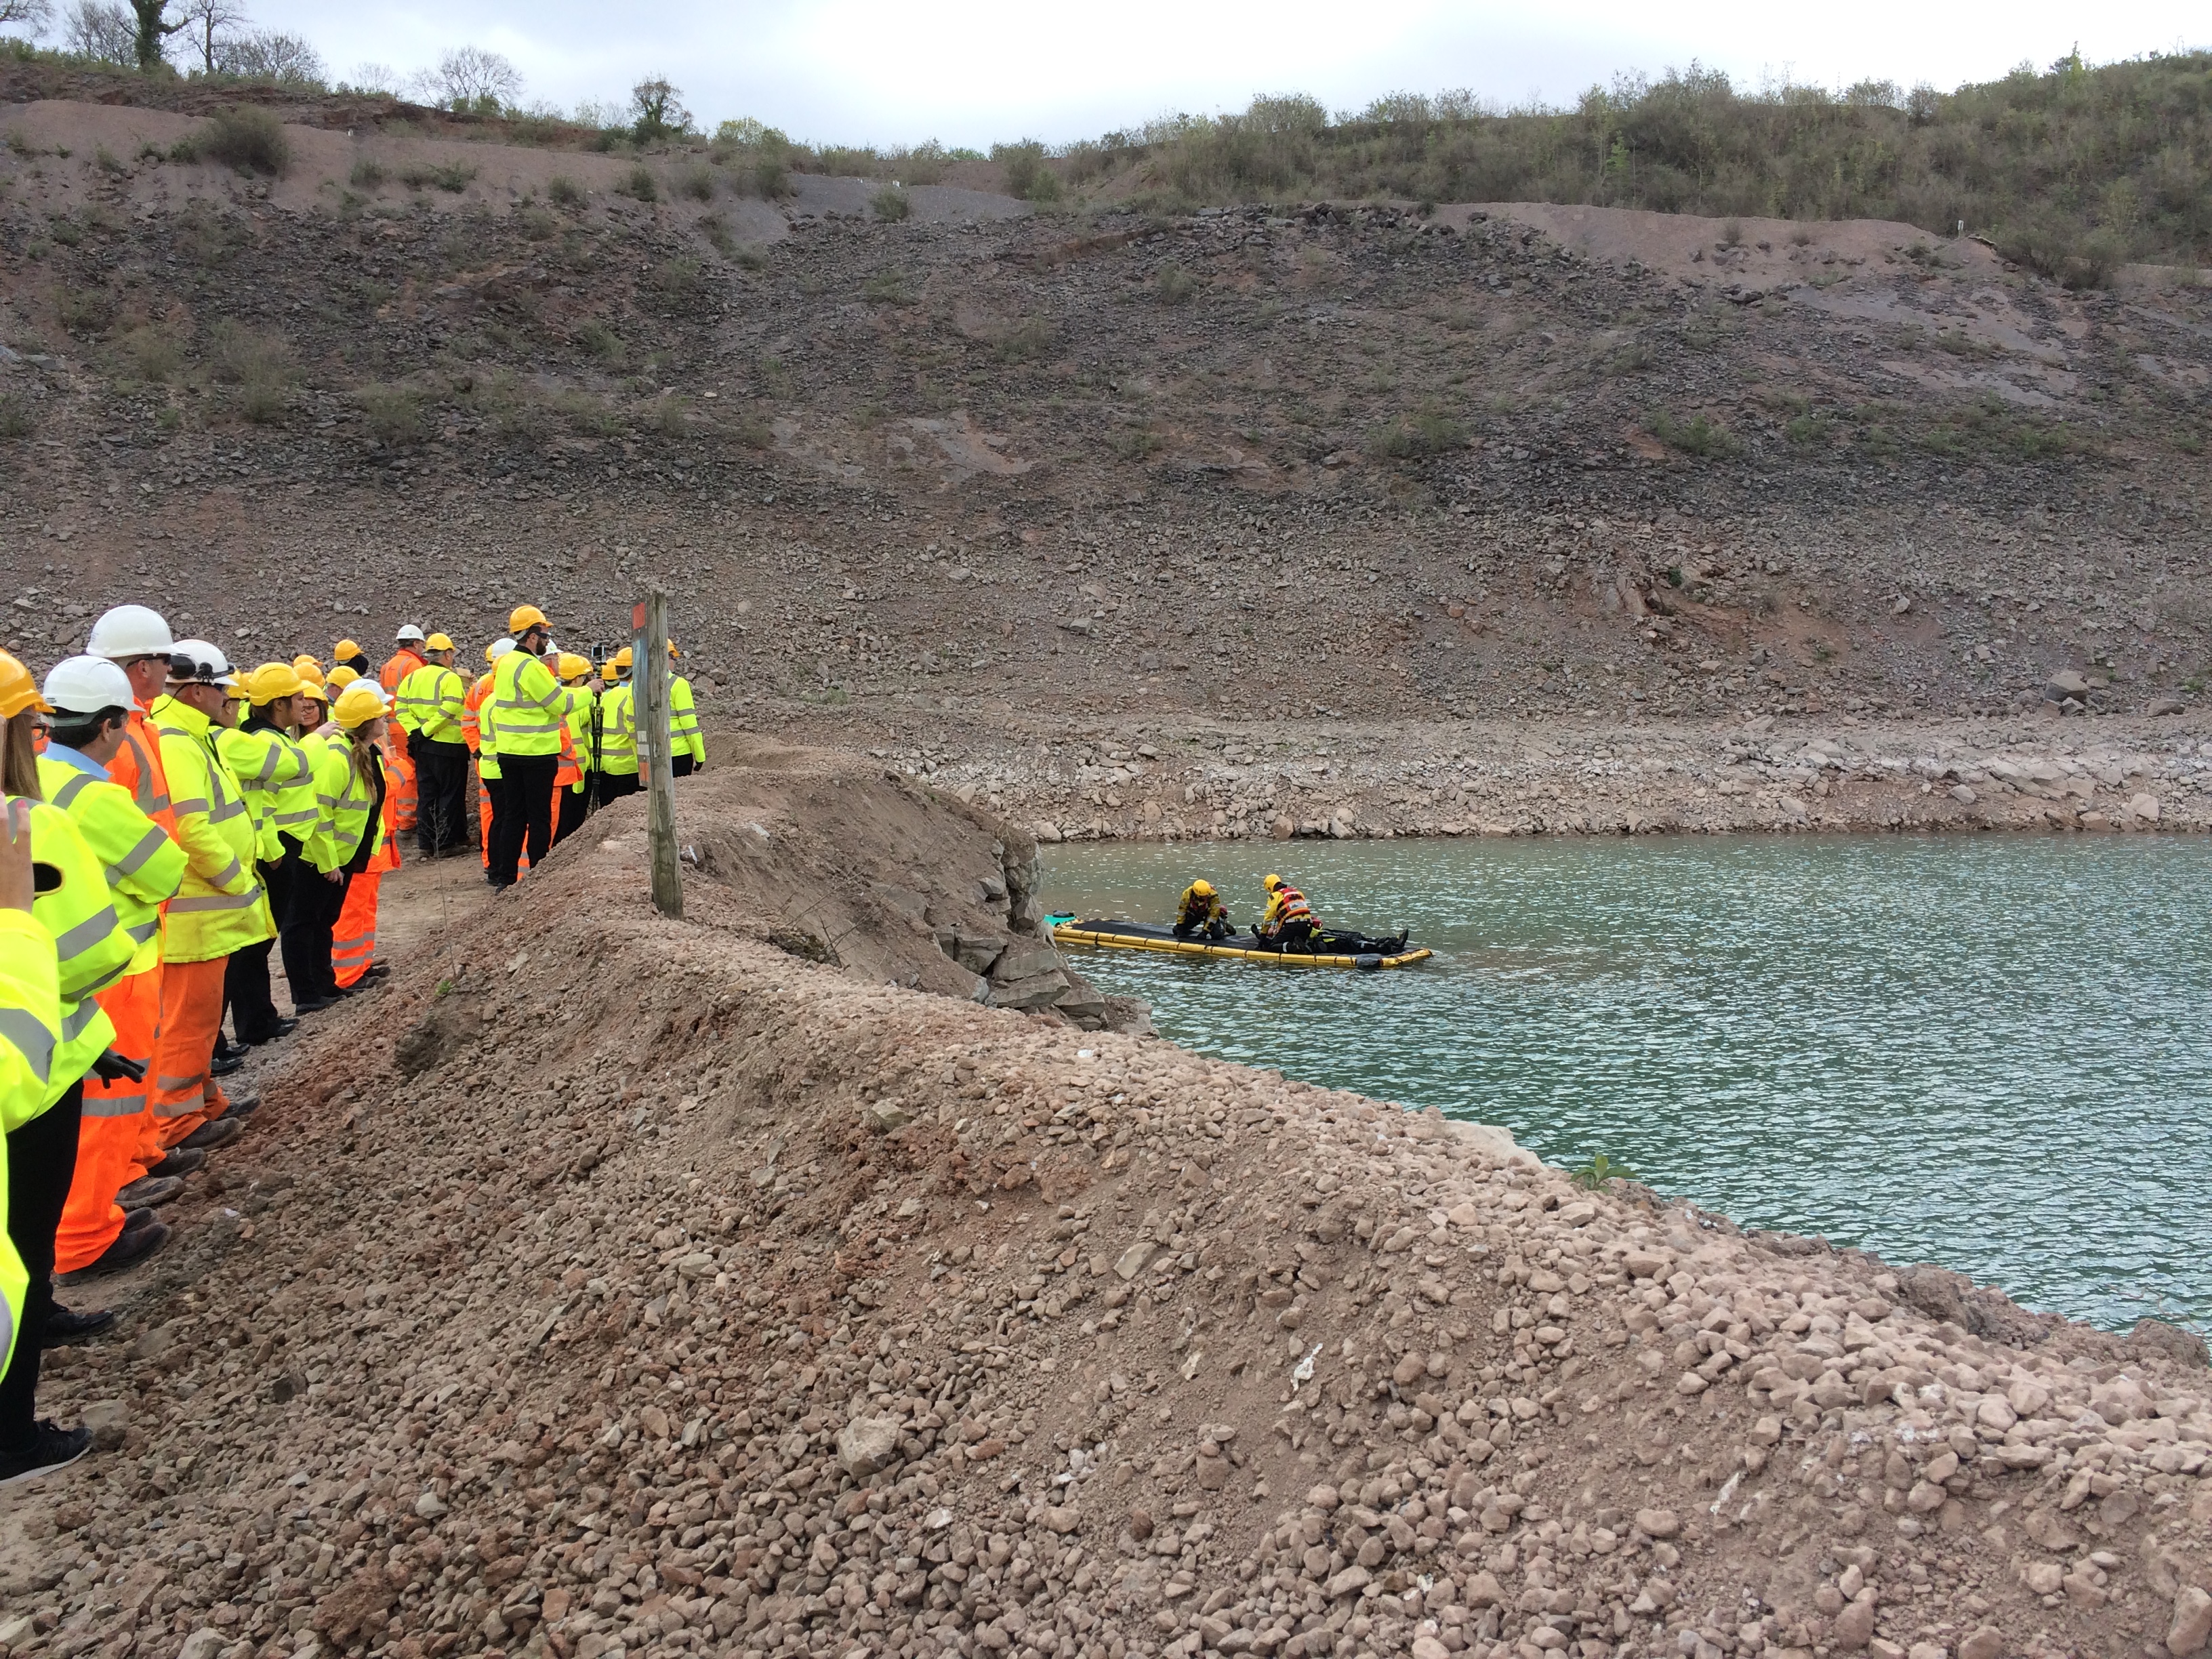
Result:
247,140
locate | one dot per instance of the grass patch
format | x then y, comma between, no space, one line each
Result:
368,175
750,258
641,184
754,433
601,342
887,287
207,237
564,191
1424,432
1136,443
85,312
260,364
1031,337
771,176
681,282
247,140
149,354
449,176
395,414
890,203
17,418
1698,435
696,181
1173,286
1028,173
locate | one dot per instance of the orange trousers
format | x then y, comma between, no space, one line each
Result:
399,777
116,1121
184,1095
352,936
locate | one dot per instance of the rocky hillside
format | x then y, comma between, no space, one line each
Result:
932,445
771,1309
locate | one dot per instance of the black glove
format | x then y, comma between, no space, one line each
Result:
111,1067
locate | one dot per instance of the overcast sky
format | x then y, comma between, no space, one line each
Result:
970,71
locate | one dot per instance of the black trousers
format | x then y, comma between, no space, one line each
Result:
293,896
495,790
316,906
41,1163
680,765
571,817
442,786
522,813
613,785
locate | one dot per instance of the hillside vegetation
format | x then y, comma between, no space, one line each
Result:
2070,171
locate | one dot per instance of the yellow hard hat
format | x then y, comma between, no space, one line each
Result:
572,665
437,642
307,669
18,690
342,677
622,657
607,672
358,704
271,681
1202,888
1272,883
523,617
672,651
345,648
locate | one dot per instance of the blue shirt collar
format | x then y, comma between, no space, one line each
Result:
69,756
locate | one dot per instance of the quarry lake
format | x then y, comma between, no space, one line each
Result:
1992,1053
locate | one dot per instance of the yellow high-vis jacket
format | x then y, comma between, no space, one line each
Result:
144,868
30,1031
91,951
221,907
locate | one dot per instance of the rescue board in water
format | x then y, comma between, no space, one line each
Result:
1114,935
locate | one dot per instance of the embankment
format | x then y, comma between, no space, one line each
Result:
607,1284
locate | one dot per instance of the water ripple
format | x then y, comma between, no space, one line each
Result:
1995,1053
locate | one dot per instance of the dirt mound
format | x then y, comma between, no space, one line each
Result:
688,1295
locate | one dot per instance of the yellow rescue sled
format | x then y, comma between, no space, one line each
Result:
1114,935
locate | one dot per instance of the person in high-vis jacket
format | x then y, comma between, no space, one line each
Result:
91,699
430,703
30,1031
138,641
276,783
221,908
92,950
349,795
571,784
529,711
617,717
407,655
687,749
1200,911
483,744
1288,921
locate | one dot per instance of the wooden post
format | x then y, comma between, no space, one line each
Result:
650,679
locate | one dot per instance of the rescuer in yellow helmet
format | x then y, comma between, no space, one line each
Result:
1200,911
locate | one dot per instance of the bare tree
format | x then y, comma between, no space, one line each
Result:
471,78
376,77
271,55
210,26
657,109
31,16
100,30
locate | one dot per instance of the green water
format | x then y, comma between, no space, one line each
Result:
1989,1052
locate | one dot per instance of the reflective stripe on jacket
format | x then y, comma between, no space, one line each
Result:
684,721
471,707
343,801
267,763
91,951
525,705
1285,904
221,907
143,866
137,766
431,703
30,1030
618,730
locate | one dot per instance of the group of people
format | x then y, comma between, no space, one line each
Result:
1288,921
170,823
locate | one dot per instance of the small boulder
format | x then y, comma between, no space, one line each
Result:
867,1444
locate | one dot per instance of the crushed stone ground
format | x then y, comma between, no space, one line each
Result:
609,1285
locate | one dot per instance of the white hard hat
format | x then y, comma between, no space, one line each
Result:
85,685
195,662
499,647
409,631
131,630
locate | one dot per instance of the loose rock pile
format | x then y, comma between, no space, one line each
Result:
690,1298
